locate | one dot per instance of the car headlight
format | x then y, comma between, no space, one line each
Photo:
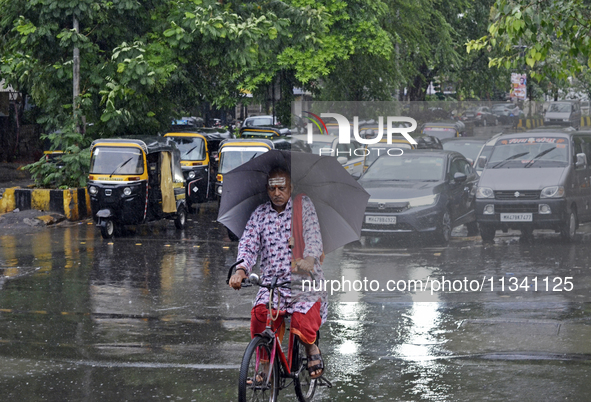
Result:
422,201
552,192
93,190
565,120
485,192
191,174
127,191
220,190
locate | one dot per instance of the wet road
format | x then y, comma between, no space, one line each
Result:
149,317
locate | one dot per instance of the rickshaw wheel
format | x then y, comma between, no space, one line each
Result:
181,218
107,229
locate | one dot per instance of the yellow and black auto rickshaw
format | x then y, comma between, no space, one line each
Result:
236,152
133,181
199,159
196,165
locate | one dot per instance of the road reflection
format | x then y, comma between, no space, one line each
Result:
153,307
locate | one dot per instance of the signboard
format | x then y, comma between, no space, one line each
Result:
518,86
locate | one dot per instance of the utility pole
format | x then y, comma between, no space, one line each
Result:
76,72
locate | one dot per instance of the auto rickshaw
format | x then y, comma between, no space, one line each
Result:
195,163
236,152
134,181
199,158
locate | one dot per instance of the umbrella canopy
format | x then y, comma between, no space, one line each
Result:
339,200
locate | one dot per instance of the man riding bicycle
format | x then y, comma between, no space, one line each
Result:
271,229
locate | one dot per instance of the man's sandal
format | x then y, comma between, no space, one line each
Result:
317,367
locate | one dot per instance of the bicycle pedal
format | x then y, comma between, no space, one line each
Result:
323,382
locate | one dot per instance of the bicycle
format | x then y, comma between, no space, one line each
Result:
259,381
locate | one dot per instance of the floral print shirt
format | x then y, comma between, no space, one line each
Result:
267,235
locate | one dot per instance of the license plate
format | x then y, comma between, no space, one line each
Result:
516,217
381,220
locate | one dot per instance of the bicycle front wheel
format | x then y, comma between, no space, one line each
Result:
252,383
305,387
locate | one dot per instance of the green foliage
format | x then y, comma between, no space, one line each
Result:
550,37
71,169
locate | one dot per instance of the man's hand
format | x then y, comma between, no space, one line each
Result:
305,264
236,279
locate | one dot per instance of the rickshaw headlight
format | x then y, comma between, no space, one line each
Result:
191,174
93,190
220,190
127,191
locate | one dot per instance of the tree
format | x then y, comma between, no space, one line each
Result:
549,36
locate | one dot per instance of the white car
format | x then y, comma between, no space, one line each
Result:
259,121
351,155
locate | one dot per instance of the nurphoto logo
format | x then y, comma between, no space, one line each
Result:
345,128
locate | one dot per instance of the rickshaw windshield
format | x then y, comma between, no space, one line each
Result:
116,160
232,157
192,148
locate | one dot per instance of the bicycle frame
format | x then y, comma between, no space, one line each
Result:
277,349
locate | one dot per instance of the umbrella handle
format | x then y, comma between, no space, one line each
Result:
232,268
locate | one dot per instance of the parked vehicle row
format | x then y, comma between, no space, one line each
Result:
539,179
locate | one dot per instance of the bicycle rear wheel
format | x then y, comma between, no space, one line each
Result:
305,387
252,383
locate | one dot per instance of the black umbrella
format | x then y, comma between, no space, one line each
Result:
339,200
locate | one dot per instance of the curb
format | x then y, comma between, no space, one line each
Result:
527,124
73,203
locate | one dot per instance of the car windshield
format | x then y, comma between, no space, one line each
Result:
468,149
259,121
513,153
376,150
499,107
560,107
406,168
116,160
440,132
192,148
232,157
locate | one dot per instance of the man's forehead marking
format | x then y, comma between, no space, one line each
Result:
277,181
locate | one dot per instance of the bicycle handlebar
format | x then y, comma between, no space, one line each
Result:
231,268
253,279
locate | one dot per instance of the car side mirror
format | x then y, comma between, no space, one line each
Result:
581,160
470,161
460,177
482,162
342,160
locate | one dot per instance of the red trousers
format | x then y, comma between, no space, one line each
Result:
303,325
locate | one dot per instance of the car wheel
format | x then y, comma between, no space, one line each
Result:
107,229
569,228
472,228
181,218
444,230
487,233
